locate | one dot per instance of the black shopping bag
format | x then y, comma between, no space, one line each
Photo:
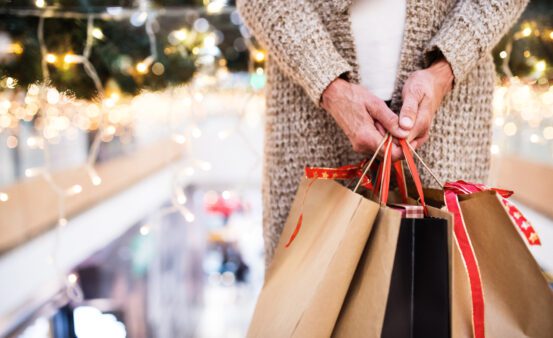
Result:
418,300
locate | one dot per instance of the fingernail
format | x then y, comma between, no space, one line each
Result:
406,122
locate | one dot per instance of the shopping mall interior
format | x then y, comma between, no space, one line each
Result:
131,158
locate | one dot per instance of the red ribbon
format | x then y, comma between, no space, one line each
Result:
522,223
451,192
346,172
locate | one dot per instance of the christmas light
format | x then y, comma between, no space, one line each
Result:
178,138
15,48
144,230
527,31
72,278
51,58
259,56
11,142
70,58
142,68
510,129
4,197
503,54
540,66
40,3
215,6
74,190
97,33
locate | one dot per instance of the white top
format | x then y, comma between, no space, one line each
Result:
377,27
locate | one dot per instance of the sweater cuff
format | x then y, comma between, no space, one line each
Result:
320,68
458,42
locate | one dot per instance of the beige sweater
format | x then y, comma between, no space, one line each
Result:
310,44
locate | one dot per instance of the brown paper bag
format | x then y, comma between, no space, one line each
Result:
518,301
305,285
363,310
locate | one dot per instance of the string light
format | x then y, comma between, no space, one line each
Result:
144,229
259,56
4,197
40,3
142,67
97,33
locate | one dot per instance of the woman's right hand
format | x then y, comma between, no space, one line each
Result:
357,110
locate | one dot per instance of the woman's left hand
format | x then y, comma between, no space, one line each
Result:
422,94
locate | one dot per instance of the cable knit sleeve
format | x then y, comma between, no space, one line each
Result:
296,39
471,30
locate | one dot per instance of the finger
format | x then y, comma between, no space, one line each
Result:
380,112
408,113
417,143
397,153
423,121
368,140
380,128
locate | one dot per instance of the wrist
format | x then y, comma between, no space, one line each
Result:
335,88
442,71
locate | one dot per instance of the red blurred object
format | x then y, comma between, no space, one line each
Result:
223,206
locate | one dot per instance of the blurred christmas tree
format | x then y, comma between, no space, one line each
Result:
121,50
527,50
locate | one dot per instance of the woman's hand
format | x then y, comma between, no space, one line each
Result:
423,93
356,110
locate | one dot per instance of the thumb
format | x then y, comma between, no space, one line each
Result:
408,112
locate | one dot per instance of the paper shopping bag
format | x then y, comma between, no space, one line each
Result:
517,299
306,283
501,292
401,286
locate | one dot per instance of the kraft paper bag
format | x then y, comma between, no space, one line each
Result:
364,308
306,283
517,299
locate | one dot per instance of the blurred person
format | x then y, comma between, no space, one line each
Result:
342,74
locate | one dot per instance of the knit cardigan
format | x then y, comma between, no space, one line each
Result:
310,43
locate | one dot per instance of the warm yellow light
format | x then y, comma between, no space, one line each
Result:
142,67
10,82
51,58
70,58
527,31
97,33
527,54
40,3
215,6
16,48
503,54
259,56
181,34
551,35
540,66
494,149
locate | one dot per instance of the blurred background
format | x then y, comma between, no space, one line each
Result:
131,136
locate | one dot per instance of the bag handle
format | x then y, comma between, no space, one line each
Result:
408,152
